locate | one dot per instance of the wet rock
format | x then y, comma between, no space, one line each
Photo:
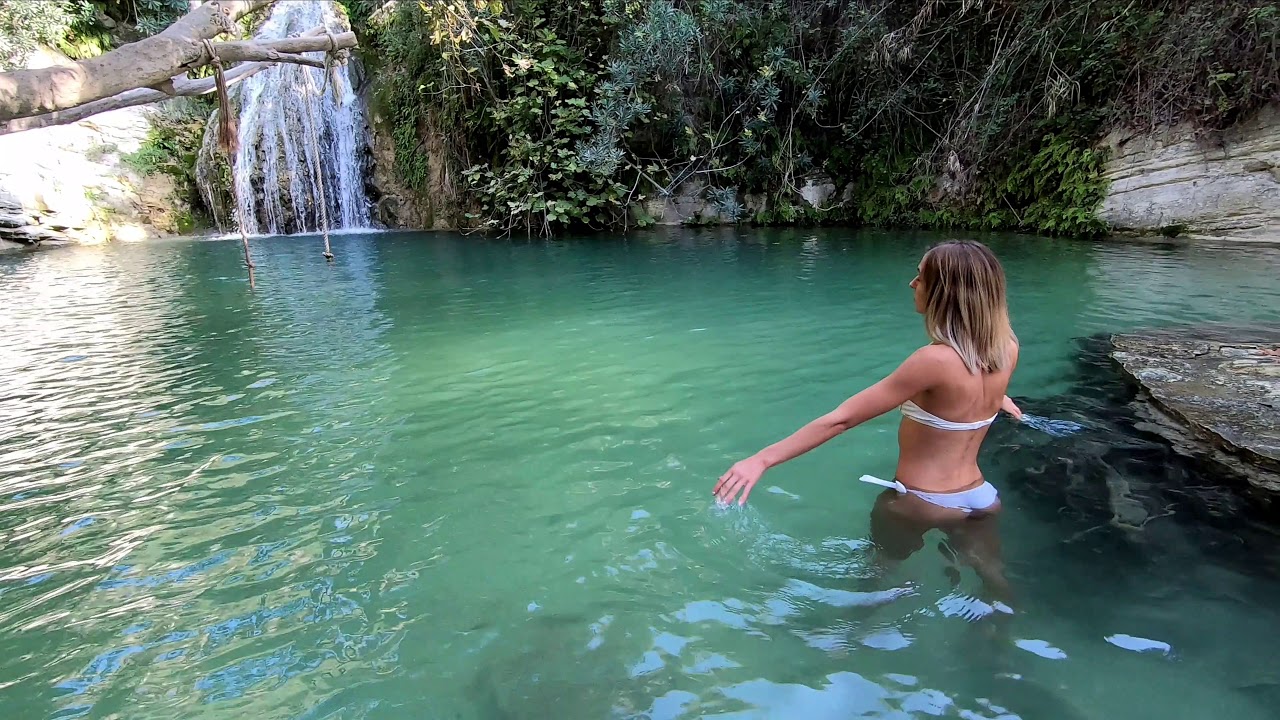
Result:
213,175
693,203
686,204
1213,392
302,163
395,204
16,220
33,235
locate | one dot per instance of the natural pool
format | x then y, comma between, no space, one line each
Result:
454,478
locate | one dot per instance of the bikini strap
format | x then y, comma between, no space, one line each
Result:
924,417
895,485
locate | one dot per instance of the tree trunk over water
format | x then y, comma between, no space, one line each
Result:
131,98
155,64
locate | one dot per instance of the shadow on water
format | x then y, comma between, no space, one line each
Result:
1131,512
1119,483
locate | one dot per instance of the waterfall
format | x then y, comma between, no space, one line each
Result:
292,120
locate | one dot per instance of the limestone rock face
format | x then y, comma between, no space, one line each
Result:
70,182
1223,184
397,206
685,204
818,191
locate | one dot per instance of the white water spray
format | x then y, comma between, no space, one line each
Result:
294,125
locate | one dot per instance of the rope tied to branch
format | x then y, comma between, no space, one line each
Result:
229,142
322,200
228,138
333,57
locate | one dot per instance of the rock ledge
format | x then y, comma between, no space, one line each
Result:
1216,393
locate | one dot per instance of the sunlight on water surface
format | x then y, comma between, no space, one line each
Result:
453,478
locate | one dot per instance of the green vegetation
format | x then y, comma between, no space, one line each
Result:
512,113
981,114
26,25
551,115
172,146
79,28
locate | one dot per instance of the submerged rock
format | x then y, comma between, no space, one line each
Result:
1116,499
1213,392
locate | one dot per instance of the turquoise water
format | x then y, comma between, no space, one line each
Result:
454,478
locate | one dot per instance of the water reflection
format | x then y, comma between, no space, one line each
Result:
97,493
473,478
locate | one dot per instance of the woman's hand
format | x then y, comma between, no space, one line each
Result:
741,477
1008,406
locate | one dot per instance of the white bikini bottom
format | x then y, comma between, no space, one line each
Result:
978,498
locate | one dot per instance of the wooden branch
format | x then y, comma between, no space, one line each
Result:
210,19
151,62
144,63
181,87
285,50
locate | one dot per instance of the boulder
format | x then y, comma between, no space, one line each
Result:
818,191
1214,392
72,182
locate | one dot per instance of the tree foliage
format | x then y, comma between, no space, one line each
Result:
26,25
76,27
943,113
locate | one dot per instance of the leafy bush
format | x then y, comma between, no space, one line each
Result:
943,113
26,25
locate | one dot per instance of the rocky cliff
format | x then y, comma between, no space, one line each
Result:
397,206
1184,181
71,183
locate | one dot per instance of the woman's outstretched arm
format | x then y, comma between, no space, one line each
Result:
916,374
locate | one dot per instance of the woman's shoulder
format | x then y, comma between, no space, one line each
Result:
935,351
939,354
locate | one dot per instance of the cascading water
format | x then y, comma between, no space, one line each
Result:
293,125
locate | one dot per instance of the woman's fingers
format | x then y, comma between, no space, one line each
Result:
728,486
739,478
736,484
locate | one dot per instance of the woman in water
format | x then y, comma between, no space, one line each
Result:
949,393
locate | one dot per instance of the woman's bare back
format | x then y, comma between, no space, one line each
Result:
935,460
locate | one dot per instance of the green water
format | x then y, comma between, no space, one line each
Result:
450,478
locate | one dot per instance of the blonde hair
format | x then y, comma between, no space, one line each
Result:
965,305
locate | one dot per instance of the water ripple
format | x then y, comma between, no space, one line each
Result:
475,477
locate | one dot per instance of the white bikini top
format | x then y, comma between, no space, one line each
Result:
920,415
